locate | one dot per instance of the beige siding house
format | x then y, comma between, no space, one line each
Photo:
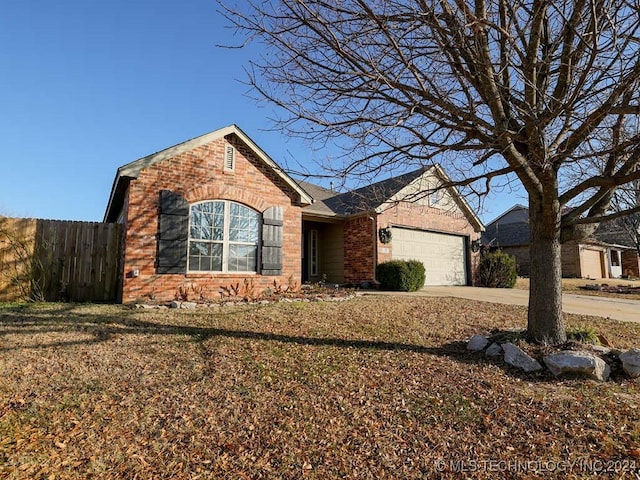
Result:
590,258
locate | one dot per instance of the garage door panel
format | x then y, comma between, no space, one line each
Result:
591,263
443,255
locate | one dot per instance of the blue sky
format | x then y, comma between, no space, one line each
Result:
87,86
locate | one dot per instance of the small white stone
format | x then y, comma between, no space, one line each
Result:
515,357
631,362
577,363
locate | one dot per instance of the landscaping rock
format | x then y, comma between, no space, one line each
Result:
631,362
185,305
577,363
515,357
477,343
146,306
601,349
494,350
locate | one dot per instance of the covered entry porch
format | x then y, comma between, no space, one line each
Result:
322,250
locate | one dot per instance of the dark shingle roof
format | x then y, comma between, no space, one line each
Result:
360,200
319,195
513,234
614,232
506,235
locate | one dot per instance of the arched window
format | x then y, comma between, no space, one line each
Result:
223,237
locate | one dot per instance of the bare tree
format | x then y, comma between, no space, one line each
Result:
495,90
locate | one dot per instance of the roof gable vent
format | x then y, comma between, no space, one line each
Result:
229,158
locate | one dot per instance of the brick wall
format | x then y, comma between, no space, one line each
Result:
359,262
630,263
198,175
359,233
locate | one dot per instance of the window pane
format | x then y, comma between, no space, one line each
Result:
216,257
218,227
195,251
205,257
198,249
242,258
207,221
196,219
243,224
206,225
217,224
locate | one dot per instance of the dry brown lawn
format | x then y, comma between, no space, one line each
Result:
375,387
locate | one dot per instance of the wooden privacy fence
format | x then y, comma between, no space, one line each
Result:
59,260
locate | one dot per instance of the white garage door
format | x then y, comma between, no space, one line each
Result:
591,263
443,255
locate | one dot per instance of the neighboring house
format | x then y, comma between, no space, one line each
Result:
217,211
613,232
589,258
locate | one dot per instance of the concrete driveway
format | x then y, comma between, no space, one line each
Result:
615,308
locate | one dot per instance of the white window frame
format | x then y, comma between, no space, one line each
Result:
225,242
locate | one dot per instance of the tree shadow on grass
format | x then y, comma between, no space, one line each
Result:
32,320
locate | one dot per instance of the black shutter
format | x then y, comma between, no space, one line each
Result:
272,225
173,233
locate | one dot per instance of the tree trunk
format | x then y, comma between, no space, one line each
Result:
545,322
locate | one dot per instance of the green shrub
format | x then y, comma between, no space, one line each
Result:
497,270
403,275
417,274
583,334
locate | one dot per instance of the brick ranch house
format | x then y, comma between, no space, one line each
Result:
216,210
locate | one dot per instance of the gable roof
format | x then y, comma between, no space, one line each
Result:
516,207
320,196
379,196
132,170
513,234
506,235
360,200
614,232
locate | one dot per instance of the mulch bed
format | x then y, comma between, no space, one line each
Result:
625,289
